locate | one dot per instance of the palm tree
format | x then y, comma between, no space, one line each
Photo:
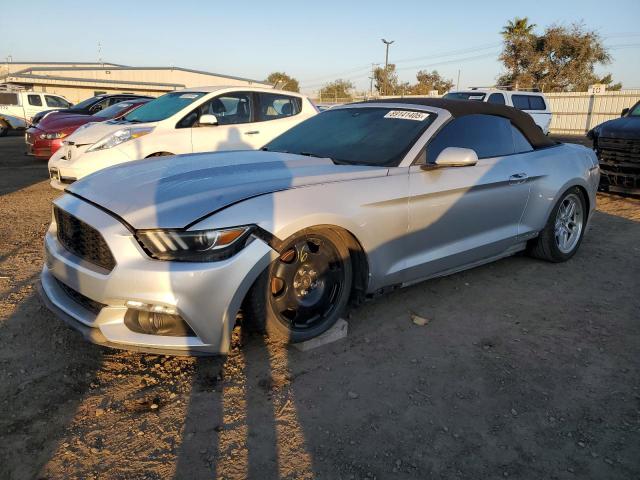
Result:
518,26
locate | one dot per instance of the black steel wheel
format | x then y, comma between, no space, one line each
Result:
305,290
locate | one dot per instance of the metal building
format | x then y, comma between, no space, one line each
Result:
77,80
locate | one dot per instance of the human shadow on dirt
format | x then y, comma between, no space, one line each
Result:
46,372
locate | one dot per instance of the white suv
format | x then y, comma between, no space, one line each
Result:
193,120
532,103
18,106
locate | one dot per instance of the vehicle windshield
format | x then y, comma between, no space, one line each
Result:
114,110
377,136
162,107
85,103
465,96
635,110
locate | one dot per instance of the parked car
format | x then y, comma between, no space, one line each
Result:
18,107
533,103
161,255
46,138
617,144
192,120
90,105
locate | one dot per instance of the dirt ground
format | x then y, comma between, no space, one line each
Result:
525,370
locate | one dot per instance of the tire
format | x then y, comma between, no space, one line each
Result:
550,244
4,129
304,291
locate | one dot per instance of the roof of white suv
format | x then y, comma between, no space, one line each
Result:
211,89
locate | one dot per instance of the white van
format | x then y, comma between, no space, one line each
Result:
533,103
18,106
200,119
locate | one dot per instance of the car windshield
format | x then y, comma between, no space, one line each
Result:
162,107
465,96
85,103
114,110
378,136
635,111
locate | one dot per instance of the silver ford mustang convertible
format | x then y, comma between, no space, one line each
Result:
163,254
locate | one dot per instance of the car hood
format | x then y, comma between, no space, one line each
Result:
93,133
173,192
56,122
624,127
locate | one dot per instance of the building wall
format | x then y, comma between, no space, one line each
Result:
144,75
77,94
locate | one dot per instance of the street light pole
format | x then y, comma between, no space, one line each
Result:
386,60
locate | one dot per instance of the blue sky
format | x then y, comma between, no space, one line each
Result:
313,41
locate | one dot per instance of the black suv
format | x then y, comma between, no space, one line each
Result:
617,143
90,105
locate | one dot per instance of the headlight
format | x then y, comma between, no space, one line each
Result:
118,137
194,246
53,136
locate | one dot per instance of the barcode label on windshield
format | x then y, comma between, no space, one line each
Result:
406,115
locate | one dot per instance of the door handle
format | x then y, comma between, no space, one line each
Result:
252,132
518,178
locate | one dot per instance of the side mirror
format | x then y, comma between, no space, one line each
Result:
208,119
457,157
624,112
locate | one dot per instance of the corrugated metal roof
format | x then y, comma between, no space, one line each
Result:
29,76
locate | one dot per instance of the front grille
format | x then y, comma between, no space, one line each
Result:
83,240
619,162
85,302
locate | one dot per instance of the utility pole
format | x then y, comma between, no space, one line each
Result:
100,54
386,61
458,82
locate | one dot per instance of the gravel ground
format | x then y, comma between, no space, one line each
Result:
524,369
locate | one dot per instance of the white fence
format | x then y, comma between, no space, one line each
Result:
573,113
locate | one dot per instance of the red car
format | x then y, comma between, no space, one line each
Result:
46,137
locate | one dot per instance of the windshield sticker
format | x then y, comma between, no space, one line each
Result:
406,115
476,97
189,95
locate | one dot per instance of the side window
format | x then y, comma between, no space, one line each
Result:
274,106
8,98
496,98
55,102
35,100
101,105
114,100
229,109
520,143
536,103
488,135
521,102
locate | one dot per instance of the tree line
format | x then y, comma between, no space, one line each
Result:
560,59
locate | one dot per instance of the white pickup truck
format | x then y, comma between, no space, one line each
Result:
17,107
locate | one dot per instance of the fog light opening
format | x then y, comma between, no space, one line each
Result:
153,322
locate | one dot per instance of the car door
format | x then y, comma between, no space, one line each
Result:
33,105
463,215
236,128
276,113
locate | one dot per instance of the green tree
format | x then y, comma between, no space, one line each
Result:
338,89
386,80
561,59
285,81
428,81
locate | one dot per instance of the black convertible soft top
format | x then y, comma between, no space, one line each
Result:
459,108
